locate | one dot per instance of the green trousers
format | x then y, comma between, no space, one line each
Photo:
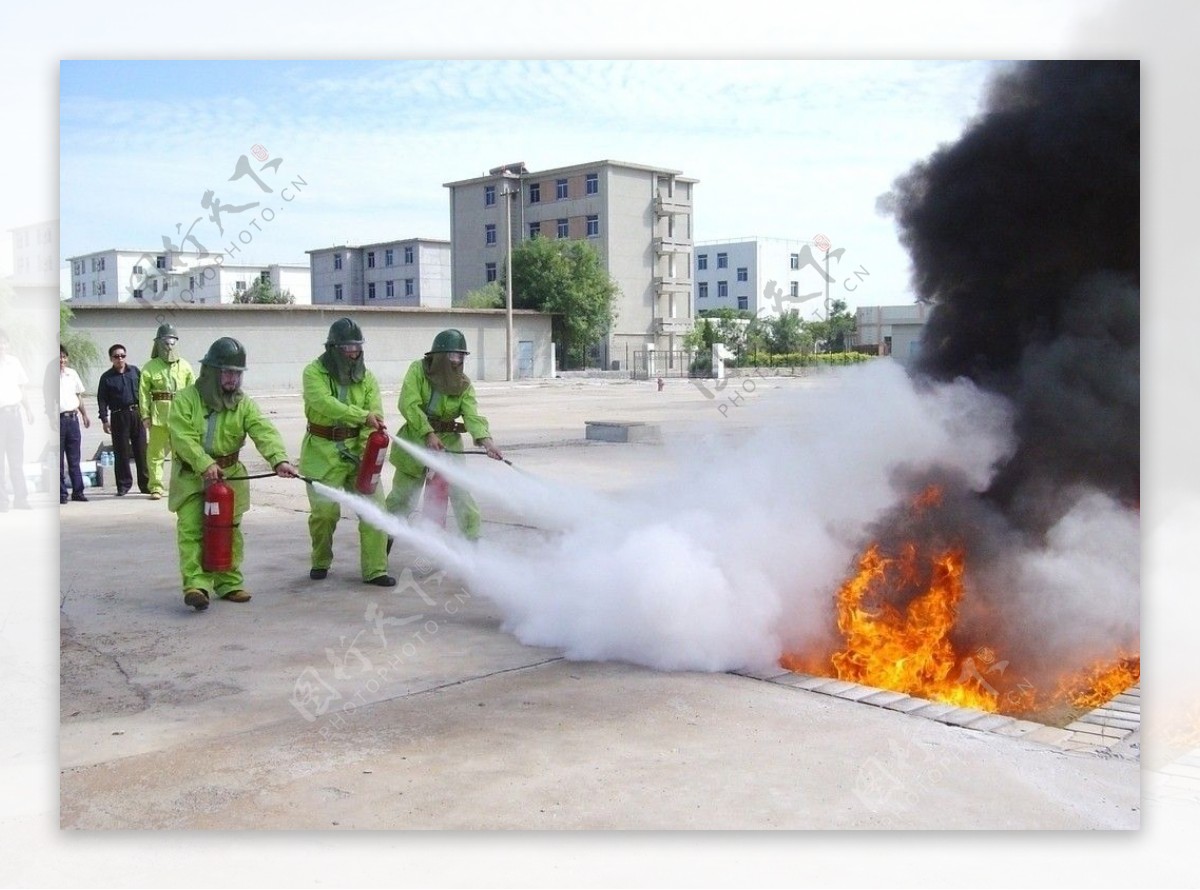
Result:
189,537
323,518
401,501
157,448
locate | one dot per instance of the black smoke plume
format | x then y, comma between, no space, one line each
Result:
1024,237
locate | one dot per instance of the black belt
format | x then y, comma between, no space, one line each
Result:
67,413
124,408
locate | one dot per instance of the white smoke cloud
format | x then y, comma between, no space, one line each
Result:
735,553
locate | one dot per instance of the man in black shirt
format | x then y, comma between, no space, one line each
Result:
117,394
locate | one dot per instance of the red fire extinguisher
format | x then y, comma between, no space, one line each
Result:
217,546
435,498
371,466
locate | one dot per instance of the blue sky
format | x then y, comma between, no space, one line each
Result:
784,149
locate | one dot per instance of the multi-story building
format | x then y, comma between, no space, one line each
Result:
638,217
118,276
767,276
410,272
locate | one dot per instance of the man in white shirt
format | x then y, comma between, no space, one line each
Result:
12,426
70,409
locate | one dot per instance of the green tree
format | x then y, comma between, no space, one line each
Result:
490,296
566,278
264,292
833,334
788,333
85,355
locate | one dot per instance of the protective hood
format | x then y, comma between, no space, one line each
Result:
163,351
446,378
342,368
214,397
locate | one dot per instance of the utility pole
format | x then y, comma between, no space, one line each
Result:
507,192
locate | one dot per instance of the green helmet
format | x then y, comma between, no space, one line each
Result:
227,354
344,332
450,340
166,330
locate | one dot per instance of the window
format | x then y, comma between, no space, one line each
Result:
795,261
489,195
265,276
722,261
137,293
101,290
562,228
408,256
154,288
99,266
722,288
137,270
159,262
703,294
389,257
535,229
743,302
560,189
743,273
371,290
77,268
337,261
489,271
337,291
489,233
794,289
238,287
593,226
370,259
592,184
701,261
389,288
408,287
535,193
191,282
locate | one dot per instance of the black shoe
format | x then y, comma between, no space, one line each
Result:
382,581
79,497
121,492
318,574
62,500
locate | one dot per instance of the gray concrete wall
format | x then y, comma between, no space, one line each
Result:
281,340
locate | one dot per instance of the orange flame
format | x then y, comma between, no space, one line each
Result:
910,650
1101,683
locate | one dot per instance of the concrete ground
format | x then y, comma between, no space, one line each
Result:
344,706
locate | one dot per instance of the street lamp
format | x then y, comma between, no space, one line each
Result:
507,191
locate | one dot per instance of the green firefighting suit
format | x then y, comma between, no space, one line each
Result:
199,437
160,381
337,410
419,404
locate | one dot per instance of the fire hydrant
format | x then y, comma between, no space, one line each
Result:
660,384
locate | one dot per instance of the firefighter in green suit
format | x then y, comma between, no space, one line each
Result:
343,406
435,394
161,378
209,423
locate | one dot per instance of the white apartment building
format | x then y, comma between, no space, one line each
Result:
767,276
638,217
119,276
408,272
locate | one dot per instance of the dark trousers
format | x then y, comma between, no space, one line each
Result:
129,441
12,452
69,442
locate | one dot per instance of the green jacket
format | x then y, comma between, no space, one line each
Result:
418,402
192,455
325,405
161,376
